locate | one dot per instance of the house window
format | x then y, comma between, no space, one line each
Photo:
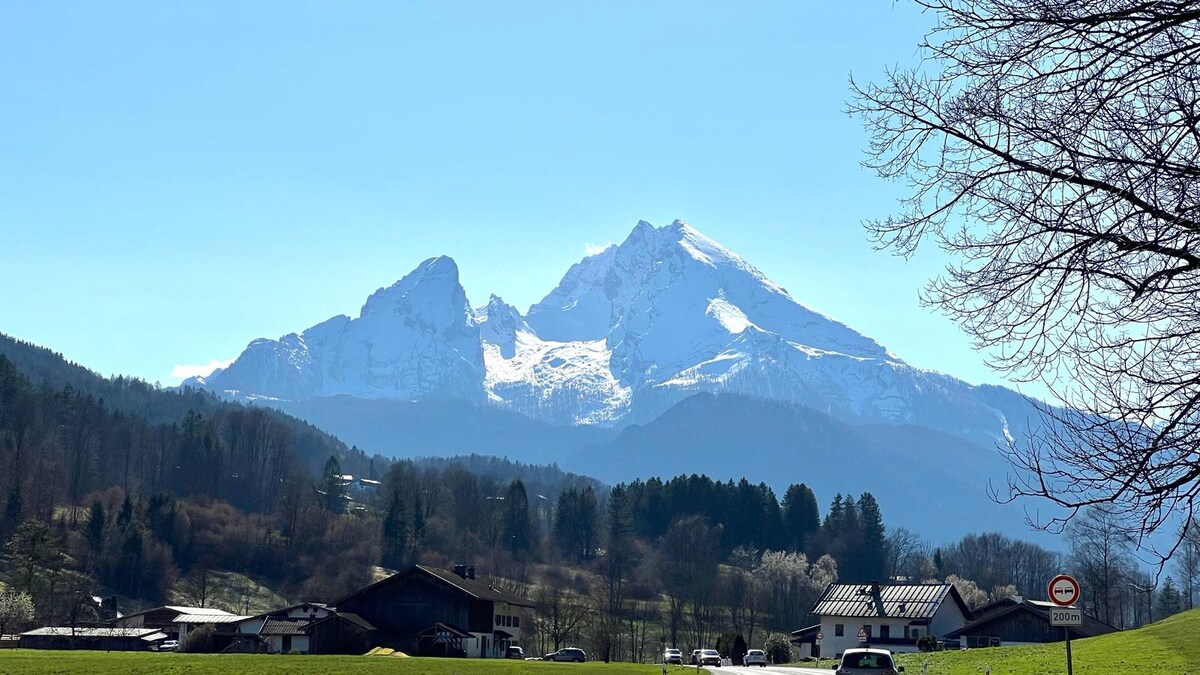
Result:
885,632
916,632
516,622
839,629
498,620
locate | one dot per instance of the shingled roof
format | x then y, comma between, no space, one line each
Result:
474,588
908,601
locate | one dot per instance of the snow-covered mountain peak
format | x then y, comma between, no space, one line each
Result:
434,282
499,323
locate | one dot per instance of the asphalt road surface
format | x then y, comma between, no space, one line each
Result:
769,670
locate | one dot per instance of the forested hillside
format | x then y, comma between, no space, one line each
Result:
113,487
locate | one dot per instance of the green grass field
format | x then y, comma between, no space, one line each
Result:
1169,647
37,662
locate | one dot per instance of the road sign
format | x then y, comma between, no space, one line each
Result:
820,635
1066,616
1063,590
862,634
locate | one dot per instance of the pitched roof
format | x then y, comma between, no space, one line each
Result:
223,617
178,609
912,601
348,617
284,627
150,634
285,610
472,587
1041,609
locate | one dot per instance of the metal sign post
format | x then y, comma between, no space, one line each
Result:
1063,591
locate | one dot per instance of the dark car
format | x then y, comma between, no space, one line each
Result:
514,652
567,654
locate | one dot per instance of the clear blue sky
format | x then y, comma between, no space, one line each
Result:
177,179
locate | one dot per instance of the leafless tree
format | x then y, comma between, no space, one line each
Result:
559,613
1187,565
1051,147
1100,558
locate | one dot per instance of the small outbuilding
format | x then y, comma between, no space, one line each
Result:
100,639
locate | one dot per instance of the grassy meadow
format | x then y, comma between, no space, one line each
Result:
37,662
1169,647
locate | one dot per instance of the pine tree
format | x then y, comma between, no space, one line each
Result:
801,516
1169,601
394,534
95,529
872,550
518,529
335,490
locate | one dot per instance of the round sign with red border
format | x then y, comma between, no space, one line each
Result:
1063,590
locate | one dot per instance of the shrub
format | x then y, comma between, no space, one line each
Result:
199,640
927,643
778,648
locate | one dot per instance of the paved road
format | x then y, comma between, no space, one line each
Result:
769,670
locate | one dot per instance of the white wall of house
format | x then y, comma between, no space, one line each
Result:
275,644
898,628
948,617
510,619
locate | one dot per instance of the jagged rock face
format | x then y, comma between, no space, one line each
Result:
415,339
625,335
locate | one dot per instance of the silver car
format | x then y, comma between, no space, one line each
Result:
755,657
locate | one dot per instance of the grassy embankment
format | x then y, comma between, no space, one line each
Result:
37,662
1169,647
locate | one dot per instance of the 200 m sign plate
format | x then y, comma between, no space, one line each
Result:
1063,616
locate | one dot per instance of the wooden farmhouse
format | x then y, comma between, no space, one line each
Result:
1019,621
891,616
428,611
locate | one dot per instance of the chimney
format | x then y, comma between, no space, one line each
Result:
471,572
874,586
461,571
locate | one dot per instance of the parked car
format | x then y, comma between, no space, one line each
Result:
673,656
867,662
695,656
168,645
710,657
755,657
567,654
514,652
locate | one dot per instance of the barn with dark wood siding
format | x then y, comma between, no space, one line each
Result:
1018,621
430,611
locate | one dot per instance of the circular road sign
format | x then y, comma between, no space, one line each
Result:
1063,590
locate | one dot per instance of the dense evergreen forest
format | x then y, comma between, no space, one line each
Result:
115,487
